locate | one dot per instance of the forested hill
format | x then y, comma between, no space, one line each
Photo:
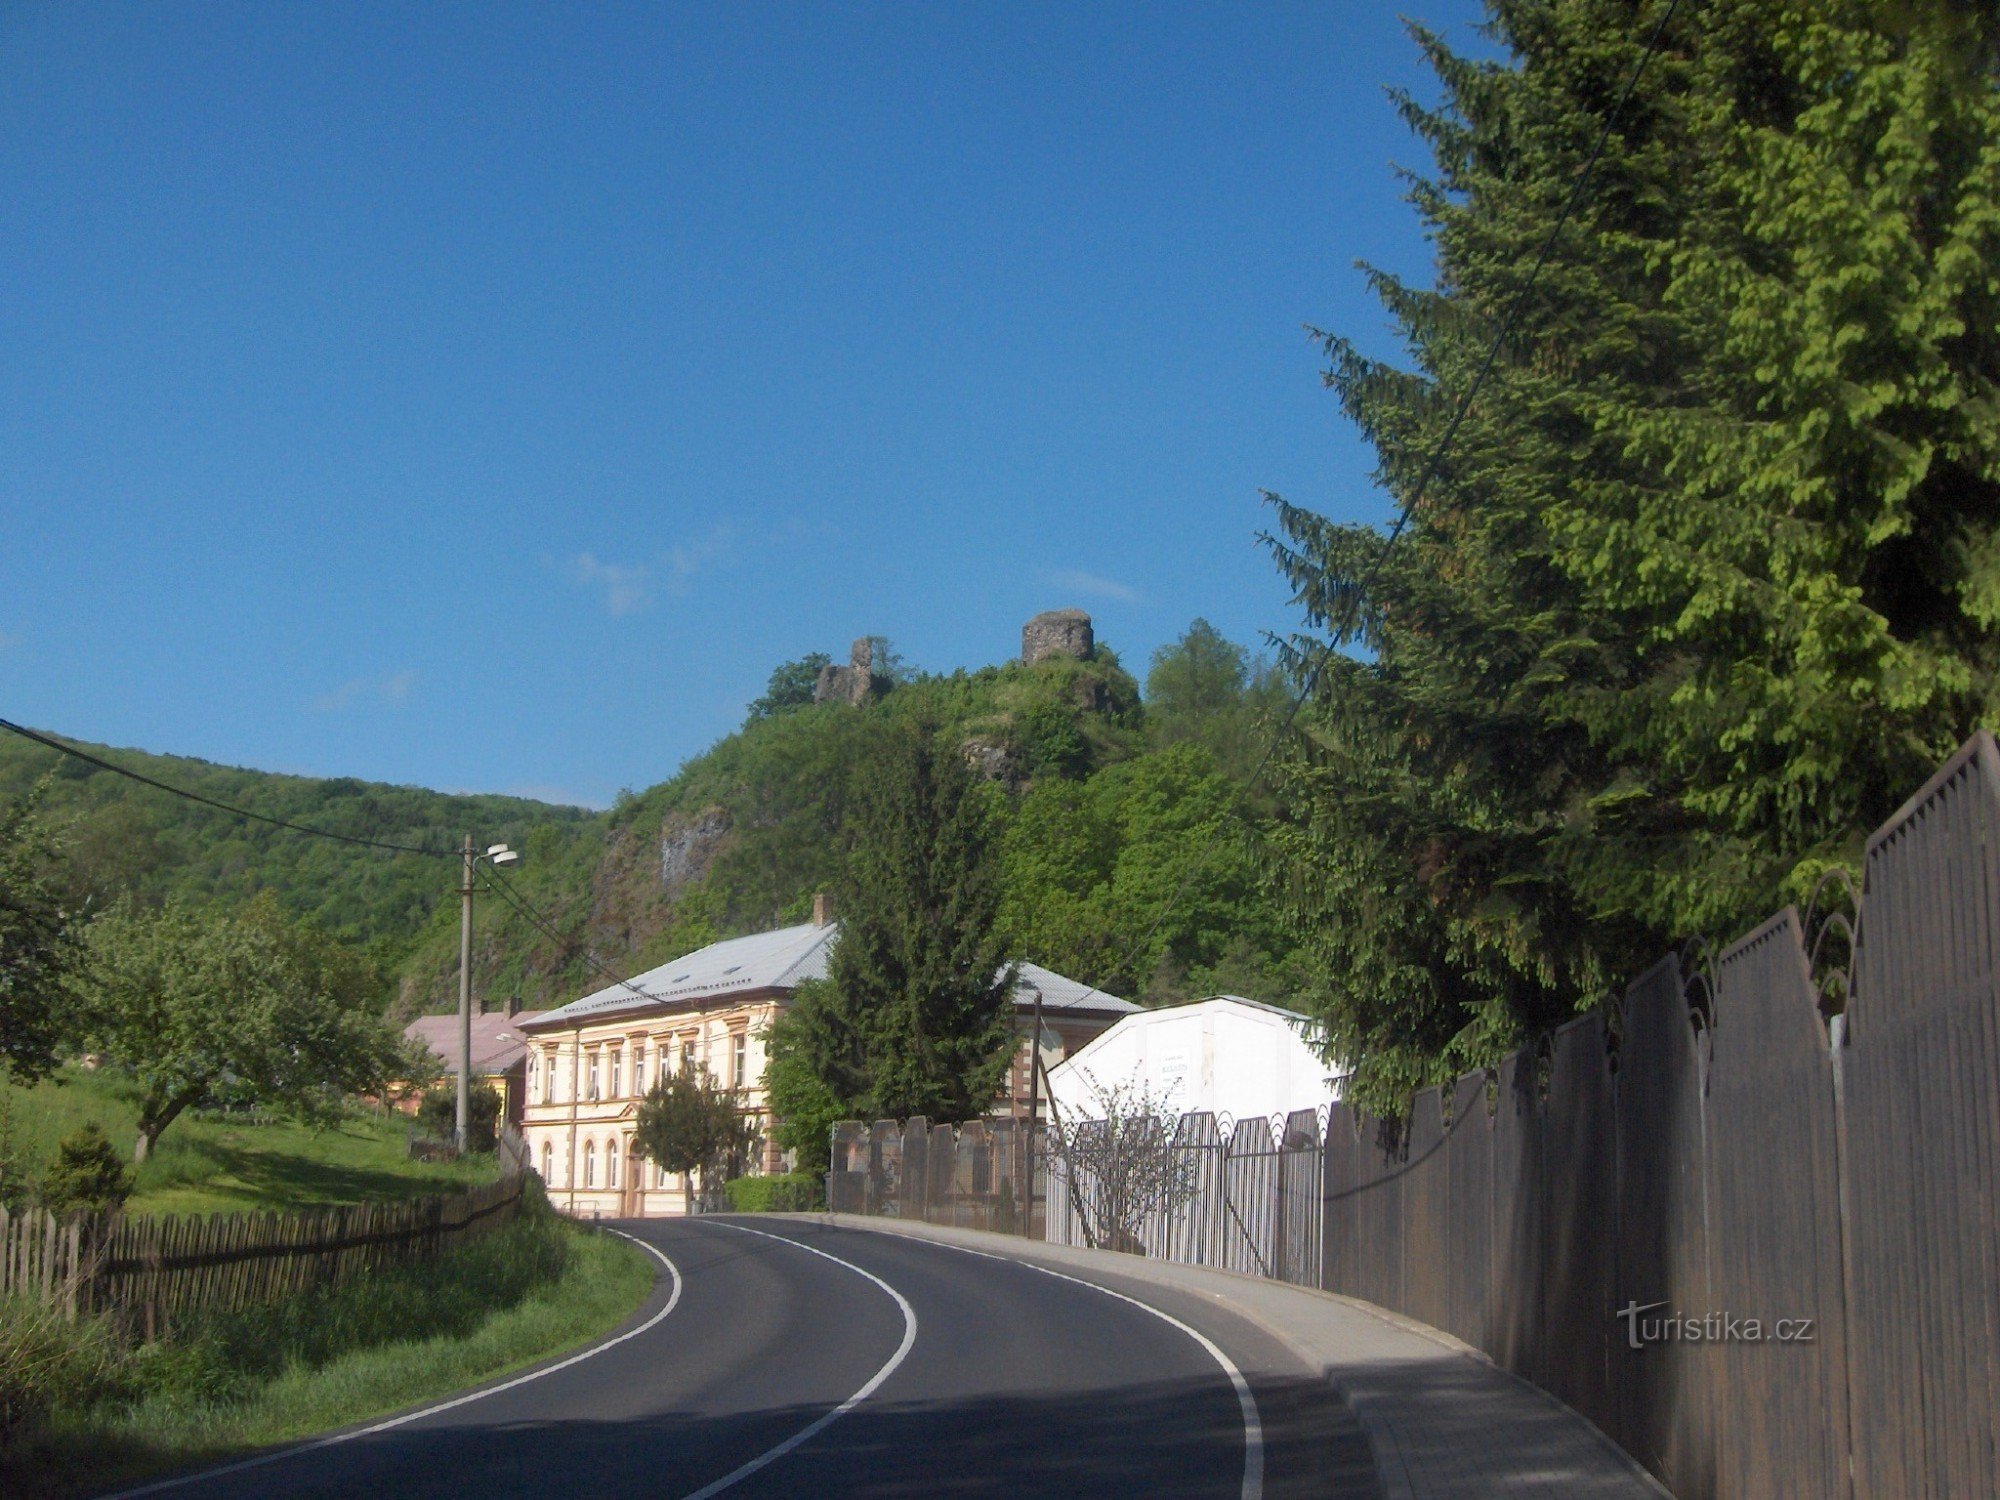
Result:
1109,800
124,838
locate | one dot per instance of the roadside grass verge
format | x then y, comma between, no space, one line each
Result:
229,1384
211,1164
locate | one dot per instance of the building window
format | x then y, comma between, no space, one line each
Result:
549,1077
590,1164
639,1068
548,1162
611,1164
739,1059
659,1175
590,1085
617,1071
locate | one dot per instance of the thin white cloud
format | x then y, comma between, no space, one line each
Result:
685,560
624,586
1081,582
394,688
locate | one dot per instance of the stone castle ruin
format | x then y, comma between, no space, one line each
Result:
853,684
1057,632
1054,632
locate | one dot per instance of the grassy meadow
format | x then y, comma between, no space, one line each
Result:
90,1410
211,1164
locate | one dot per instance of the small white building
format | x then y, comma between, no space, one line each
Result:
1225,1055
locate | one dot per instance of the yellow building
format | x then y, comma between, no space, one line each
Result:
591,1061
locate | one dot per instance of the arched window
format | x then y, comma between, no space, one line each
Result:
611,1164
548,1162
590,1164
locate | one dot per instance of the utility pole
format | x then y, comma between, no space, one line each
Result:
1034,1117
465,1002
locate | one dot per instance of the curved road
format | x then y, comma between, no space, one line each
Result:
792,1358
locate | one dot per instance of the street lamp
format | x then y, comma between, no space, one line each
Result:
501,857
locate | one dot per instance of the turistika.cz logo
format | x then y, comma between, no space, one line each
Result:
1709,1328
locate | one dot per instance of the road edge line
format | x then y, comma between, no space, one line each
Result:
258,1461
827,1419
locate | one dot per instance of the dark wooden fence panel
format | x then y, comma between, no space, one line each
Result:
1579,1253
1519,1222
1920,1133
1774,1219
1469,1185
1427,1229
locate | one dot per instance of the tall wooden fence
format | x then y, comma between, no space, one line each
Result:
156,1269
1760,1250
1758,1247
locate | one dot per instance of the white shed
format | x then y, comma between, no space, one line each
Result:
1226,1055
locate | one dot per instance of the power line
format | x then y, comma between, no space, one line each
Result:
235,812
1432,465
554,934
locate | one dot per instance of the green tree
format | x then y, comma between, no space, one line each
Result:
1144,880
689,1124
437,1113
38,942
806,1107
270,1010
86,1175
791,686
916,1016
1710,577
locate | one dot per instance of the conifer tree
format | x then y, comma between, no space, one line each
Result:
915,1016
1708,580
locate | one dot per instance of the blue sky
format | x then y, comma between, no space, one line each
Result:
488,397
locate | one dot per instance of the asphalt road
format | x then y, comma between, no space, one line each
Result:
787,1358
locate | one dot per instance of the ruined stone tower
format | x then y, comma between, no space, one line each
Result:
1057,632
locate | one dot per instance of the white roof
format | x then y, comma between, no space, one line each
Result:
1060,993
762,961
1225,1054
782,960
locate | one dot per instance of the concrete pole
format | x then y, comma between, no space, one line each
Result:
465,1000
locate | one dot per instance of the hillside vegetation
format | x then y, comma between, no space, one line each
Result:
1109,799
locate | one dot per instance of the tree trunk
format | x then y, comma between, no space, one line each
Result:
154,1117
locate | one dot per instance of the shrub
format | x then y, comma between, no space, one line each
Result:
791,1192
87,1175
438,1114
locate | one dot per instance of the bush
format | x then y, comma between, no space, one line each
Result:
790,1193
87,1175
438,1114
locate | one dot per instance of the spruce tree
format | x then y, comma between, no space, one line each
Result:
1708,580
915,1017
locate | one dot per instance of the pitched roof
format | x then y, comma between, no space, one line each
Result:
1060,993
762,961
781,960
497,1043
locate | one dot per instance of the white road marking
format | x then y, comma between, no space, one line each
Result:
771,1455
578,1358
1253,1425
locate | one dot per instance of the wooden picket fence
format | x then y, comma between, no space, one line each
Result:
156,1269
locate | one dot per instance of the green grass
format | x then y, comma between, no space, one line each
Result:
210,1165
274,1375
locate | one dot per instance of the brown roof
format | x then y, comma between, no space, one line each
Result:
497,1043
